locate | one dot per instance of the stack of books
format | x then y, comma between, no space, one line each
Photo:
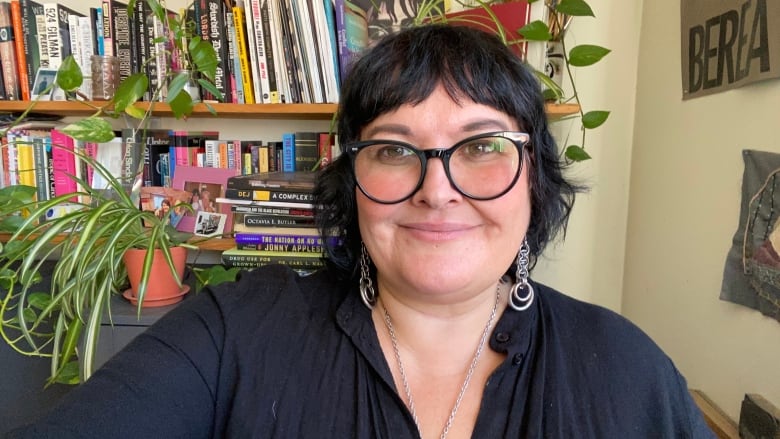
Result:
273,221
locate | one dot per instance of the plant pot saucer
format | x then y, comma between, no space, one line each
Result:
162,301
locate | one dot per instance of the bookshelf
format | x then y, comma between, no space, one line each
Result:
225,111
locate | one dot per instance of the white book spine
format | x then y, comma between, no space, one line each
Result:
262,62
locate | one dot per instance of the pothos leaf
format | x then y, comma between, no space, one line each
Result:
576,153
90,129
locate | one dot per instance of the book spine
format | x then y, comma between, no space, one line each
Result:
19,50
259,43
54,43
307,153
42,39
352,31
235,82
143,42
255,260
151,60
87,50
100,46
292,212
41,168
122,42
243,59
25,160
275,221
306,197
132,158
11,159
218,40
330,28
277,53
288,152
318,249
161,52
270,60
325,147
108,28
8,53
64,163
29,40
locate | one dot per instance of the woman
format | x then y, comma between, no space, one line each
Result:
425,323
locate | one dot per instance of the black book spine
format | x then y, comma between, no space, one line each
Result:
122,40
29,34
218,40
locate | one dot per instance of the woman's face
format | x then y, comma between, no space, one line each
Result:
439,243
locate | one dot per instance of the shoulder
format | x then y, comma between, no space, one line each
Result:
602,328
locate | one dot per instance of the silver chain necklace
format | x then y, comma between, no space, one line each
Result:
470,372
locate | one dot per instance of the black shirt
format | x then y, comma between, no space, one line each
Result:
276,355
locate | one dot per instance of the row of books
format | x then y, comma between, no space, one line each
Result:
268,51
167,149
273,221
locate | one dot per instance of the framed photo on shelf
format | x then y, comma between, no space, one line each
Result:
162,200
203,186
44,87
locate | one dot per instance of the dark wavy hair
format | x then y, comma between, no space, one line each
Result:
405,68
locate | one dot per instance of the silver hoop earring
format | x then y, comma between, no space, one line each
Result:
522,294
367,292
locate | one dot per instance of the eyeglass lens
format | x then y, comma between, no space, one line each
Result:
480,168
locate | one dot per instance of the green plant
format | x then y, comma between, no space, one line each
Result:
560,14
89,244
61,320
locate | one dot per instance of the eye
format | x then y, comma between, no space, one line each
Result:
484,147
393,154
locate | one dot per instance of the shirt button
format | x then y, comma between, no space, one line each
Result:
517,359
502,337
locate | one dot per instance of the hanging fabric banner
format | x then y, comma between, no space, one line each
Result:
728,44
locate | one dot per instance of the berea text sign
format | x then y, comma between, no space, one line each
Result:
728,44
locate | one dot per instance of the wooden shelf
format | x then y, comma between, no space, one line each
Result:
229,111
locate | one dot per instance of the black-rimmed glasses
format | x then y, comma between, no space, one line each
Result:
482,167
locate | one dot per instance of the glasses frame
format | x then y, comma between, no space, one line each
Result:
518,138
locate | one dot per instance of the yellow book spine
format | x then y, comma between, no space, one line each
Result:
26,163
246,74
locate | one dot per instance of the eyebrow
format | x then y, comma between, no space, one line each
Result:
477,125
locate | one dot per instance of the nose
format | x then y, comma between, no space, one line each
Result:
437,189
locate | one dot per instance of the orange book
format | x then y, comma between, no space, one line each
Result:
21,58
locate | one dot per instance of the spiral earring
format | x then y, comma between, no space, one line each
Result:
367,292
522,294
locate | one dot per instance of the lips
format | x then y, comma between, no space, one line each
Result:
438,231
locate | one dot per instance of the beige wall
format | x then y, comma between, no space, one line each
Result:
589,263
686,174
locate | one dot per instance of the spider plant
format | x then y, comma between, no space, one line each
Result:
52,320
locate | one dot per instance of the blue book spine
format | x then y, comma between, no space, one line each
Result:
288,152
99,31
171,161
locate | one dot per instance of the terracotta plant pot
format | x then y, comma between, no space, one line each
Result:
163,289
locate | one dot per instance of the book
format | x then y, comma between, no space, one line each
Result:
299,180
275,230
8,54
258,36
121,39
57,32
63,163
107,6
288,152
21,57
317,248
252,220
242,53
352,33
284,195
254,258
236,202
29,10
41,148
281,211
307,153
218,39
271,58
